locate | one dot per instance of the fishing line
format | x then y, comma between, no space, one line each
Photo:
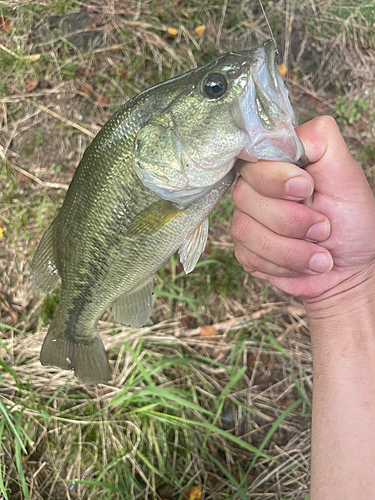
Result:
265,17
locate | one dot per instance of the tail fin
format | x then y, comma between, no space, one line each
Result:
86,357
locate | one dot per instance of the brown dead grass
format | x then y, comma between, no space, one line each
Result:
43,134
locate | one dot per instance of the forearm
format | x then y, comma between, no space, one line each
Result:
343,432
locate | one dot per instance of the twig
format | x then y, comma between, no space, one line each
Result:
220,29
61,118
15,97
9,52
54,185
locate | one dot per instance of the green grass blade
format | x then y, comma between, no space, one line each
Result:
233,381
7,417
99,484
2,487
7,327
278,421
4,346
183,423
226,473
301,392
149,464
276,424
18,456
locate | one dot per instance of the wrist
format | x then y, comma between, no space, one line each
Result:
351,295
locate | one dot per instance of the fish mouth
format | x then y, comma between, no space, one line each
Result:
267,115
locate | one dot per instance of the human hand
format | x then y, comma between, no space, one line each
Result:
321,246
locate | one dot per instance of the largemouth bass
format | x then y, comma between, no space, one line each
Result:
144,189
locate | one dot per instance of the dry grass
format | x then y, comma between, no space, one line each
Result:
229,412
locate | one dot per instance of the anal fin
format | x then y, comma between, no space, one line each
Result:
194,245
135,308
43,269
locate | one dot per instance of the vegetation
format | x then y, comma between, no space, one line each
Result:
212,398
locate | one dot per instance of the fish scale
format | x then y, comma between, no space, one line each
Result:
144,189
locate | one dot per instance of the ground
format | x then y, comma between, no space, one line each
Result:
212,399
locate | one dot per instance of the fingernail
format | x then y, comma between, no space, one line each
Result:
319,231
321,263
299,187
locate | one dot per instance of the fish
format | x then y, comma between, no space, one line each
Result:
144,189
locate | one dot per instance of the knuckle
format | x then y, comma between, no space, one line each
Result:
248,260
325,123
290,224
239,192
255,262
259,180
240,227
239,252
290,257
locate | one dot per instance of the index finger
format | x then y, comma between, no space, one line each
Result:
277,179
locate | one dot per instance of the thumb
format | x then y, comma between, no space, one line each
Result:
331,165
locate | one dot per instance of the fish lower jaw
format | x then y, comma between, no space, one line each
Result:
276,146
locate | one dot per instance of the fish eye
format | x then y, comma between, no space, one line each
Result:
215,86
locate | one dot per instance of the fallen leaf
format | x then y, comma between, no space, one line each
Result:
172,31
283,69
44,84
312,101
286,402
212,447
31,85
185,321
31,303
361,125
102,100
166,493
179,268
88,90
125,74
1,233
32,57
208,331
194,493
199,30
263,381
263,358
5,24
22,177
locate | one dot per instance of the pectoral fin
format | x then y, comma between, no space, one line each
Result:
134,308
154,218
195,244
43,269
